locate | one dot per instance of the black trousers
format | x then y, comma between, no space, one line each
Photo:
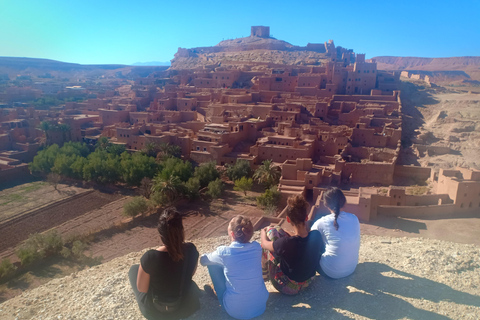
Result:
190,301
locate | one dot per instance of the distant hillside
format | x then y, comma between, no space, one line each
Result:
151,63
33,66
470,65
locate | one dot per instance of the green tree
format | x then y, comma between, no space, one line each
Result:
167,150
102,167
176,167
137,166
215,188
240,169
44,161
243,184
151,149
192,187
206,172
169,190
267,174
137,206
45,126
270,199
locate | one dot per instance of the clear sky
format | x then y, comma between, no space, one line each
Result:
125,32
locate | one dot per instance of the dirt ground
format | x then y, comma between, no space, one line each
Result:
439,117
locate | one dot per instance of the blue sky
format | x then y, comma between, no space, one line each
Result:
125,32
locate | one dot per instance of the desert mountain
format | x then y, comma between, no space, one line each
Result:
469,65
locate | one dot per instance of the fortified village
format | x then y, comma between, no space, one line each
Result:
323,113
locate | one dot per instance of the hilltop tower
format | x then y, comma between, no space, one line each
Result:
260,31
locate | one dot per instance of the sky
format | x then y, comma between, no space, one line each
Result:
125,32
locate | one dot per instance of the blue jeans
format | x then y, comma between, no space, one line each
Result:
322,273
218,280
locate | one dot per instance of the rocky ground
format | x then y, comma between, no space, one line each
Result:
444,123
397,278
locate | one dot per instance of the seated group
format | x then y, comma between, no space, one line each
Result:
163,284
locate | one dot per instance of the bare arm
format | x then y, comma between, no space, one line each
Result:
265,242
143,280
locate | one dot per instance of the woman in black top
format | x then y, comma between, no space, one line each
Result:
162,283
290,260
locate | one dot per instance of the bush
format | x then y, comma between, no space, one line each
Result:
137,206
215,188
192,187
269,200
244,184
7,269
39,246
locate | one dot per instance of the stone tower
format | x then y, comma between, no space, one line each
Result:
260,31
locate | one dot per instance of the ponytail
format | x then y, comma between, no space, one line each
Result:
334,199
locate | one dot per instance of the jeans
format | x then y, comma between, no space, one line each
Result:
190,302
218,280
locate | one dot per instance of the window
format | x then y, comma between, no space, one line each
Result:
198,148
204,149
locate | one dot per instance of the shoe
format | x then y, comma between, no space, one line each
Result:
209,290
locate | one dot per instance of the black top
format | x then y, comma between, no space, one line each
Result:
165,274
299,257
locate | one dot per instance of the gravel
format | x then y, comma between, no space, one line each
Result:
397,278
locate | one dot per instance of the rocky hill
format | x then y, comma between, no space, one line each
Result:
397,278
250,51
469,65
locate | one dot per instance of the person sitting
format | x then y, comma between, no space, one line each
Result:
290,260
162,283
236,272
341,233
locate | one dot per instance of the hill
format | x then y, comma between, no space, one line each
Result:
396,278
469,65
35,67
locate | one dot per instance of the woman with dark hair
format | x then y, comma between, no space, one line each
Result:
290,260
236,272
162,283
340,231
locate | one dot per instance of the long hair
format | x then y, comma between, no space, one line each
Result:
297,209
334,199
171,232
242,228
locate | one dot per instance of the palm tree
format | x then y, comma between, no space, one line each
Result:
267,174
171,189
64,128
169,150
45,126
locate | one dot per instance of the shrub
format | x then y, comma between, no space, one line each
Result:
137,206
39,246
192,187
270,199
215,188
7,269
244,184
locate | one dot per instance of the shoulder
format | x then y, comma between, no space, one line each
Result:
191,249
349,216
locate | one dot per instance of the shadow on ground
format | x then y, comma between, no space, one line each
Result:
374,291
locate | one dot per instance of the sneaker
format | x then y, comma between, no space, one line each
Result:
209,290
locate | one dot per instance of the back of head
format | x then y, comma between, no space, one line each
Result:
242,228
297,209
171,232
334,199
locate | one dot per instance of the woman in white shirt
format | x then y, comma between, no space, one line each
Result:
341,234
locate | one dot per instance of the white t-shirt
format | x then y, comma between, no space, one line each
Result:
341,246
